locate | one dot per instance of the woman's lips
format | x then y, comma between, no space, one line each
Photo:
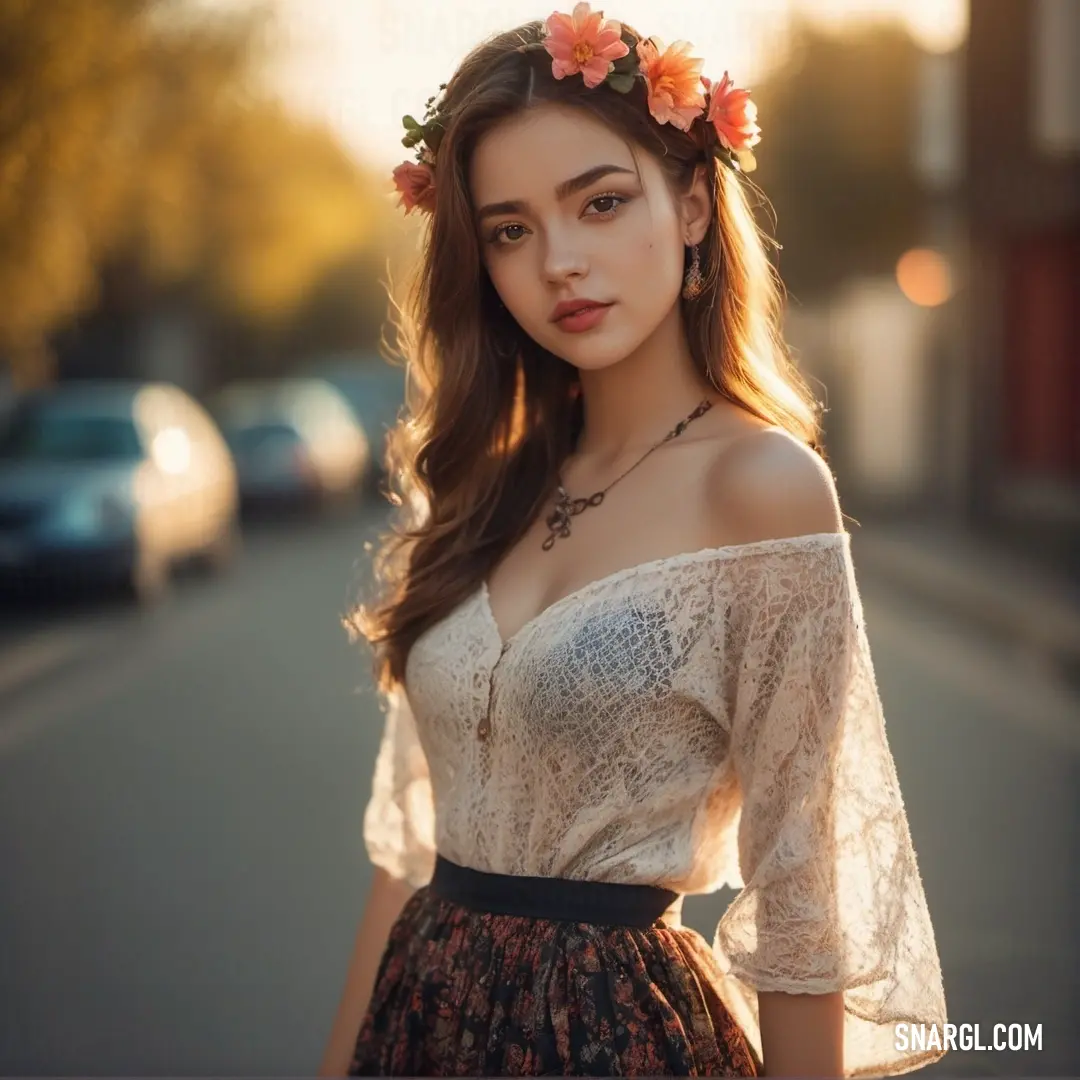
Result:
583,319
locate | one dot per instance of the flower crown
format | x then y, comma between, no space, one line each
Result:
587,43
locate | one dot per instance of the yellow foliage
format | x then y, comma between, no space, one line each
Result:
132,128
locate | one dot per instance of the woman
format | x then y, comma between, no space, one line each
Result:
622,645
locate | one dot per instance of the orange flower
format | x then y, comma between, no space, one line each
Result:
417,186
733,115
673,78
585,42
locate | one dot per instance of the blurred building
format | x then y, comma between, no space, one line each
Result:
1021,196
955,386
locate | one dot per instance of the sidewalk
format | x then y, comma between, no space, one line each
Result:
969,576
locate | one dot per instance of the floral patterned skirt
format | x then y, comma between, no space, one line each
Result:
470,986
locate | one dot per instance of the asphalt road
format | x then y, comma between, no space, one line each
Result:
181,795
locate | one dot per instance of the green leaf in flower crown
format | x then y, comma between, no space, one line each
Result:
726,157
626,64
747,161
623,82
412,138
409,123
433,133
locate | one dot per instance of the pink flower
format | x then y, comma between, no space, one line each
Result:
585,42
417,186
673,78
733,115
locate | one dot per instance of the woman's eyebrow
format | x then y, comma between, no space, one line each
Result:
562,190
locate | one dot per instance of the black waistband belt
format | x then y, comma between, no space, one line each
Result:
551,898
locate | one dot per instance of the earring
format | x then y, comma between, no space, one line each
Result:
693,282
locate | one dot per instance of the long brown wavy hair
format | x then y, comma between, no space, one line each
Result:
490,415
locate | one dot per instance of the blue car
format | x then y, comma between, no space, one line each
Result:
112,483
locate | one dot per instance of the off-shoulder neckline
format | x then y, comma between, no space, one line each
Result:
664,562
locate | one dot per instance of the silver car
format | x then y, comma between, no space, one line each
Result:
112,482
294,440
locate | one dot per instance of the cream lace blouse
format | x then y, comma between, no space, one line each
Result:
705,719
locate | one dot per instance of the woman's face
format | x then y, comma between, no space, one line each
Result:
561,216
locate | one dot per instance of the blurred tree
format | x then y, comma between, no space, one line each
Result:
137,154
838,114
286,204
66,69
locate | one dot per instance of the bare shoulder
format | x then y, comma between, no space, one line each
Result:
767,485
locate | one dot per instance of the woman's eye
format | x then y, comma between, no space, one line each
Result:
500,232
613,201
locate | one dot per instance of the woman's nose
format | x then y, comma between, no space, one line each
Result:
563,258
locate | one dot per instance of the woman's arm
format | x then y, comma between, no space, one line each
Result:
387,897
802,1034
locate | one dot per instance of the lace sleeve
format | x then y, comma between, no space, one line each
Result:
399,823
832,897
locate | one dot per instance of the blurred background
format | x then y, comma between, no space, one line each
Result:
197,232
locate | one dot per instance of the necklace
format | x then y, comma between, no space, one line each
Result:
558,521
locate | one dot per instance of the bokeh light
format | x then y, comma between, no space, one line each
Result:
924,277
171,450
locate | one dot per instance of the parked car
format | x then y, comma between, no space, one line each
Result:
375,391
294,440
113,482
